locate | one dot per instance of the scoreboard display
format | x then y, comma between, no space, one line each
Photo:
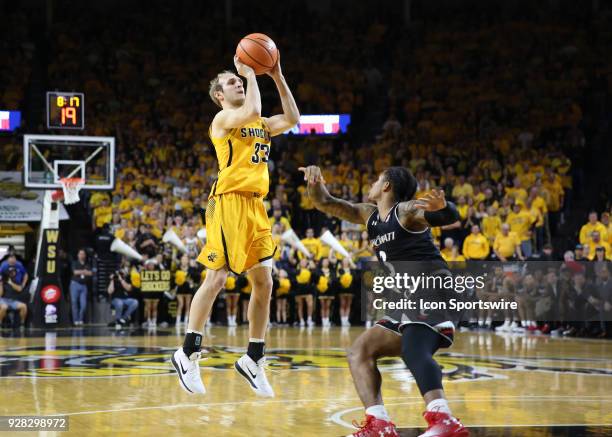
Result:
65,110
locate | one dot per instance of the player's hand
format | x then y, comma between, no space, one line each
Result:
312,174
243,69
276,72
432,201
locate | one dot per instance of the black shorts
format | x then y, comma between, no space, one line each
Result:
446,329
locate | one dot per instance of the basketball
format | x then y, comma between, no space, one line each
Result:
258,51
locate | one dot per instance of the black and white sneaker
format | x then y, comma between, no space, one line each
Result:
254,373
188,371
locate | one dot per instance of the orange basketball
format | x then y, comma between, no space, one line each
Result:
258,51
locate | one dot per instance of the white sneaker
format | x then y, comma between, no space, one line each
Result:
188,371
255,374
302,324
310,323
503,328
368,324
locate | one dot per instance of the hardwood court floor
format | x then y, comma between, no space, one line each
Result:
121,383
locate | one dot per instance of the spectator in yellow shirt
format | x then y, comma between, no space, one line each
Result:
462,208
596,242
517,191
554,188
103,213
462,188
593,225
347,243
507,245
447,251
491,224
538,224
278,218
455,256
605,220
521,221
476,245
312,244
184,204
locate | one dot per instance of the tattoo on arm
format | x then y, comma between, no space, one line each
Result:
352,212
410,217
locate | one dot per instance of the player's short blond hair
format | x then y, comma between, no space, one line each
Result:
216,86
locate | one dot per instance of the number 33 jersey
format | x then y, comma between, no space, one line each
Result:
243,159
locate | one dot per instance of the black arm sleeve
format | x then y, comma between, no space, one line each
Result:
446,216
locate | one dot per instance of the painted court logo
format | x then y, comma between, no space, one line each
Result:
111,361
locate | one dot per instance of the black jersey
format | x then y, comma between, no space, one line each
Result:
392,242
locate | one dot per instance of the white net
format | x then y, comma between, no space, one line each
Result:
71,187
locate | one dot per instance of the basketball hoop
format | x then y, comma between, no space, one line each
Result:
71,187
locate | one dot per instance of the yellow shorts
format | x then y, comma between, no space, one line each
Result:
238,232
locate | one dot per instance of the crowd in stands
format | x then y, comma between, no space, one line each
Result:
491,113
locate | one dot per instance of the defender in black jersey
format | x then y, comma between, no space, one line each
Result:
398,228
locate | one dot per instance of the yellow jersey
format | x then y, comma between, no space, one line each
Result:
243,159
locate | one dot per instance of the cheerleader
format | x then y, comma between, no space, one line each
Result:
232,294
344,285
186,277
282,292
303,291
325,278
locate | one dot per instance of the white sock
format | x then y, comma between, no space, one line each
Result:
439,405
309,319
194,331
379,412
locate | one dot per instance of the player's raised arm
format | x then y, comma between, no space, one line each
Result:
233,114
323,201
431,210
291,114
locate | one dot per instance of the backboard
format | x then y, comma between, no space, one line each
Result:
48,158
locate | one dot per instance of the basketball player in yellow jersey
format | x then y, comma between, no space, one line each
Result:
239,238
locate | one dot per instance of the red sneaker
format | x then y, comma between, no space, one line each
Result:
443,425
373,427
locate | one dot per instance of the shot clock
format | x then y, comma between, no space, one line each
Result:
65,110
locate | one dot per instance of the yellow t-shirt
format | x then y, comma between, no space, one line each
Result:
348,245
505,245
587,229
283,221
491,225
519,194
243,156
593,247
476,246
126,204
314,246
103,215
540,203
520,223
305,201
556,191
463,190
